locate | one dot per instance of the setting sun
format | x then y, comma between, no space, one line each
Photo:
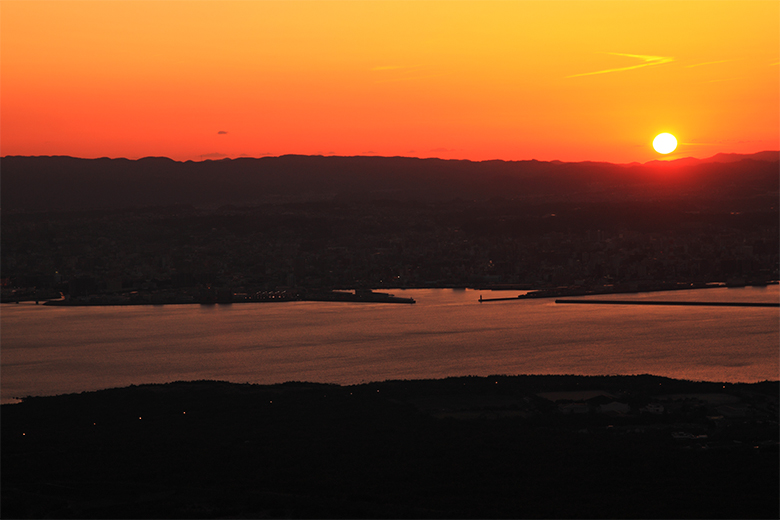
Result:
477,80
664,143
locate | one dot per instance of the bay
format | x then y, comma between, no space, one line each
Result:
54,350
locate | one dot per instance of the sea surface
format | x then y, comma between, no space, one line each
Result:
54,350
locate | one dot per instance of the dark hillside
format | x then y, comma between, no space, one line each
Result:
66,183
467,447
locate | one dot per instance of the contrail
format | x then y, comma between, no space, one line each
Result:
649,60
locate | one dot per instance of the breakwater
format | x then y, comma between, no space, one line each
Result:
708,304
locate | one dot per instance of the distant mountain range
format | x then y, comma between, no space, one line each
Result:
66,183
722,158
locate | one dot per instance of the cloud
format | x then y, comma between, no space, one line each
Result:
214,155
387,67
706,63
649,60
719,80
221,132
394,67
402,74
408,78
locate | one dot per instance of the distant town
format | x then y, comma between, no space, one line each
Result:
179,255
307,249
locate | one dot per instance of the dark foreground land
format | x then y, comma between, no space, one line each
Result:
469,447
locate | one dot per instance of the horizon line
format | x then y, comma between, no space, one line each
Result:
657,160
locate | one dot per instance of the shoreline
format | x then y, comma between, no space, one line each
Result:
360,296
572,381
568,291
373,296
705,304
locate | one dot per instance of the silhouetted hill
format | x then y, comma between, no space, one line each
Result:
466,447
769,156
67,183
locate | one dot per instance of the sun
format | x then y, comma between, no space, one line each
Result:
664,143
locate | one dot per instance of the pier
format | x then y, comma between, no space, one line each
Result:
481,299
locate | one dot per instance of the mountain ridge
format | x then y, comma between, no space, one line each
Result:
46,183
722,157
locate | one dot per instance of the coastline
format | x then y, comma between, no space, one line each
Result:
367,295
364,296
559,292
658,302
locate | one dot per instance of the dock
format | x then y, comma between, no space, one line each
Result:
481,299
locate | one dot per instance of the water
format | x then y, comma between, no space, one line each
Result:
54,350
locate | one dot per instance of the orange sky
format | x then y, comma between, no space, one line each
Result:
463,80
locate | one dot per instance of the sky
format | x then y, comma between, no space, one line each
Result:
545,80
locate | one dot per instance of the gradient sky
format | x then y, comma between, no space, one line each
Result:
463,80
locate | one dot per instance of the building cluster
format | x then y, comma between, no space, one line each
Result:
350,245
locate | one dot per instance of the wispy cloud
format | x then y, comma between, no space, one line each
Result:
719,80
407,78
394,67
214,155
400,73
706,63
648,60
775,63
386,67
221,132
